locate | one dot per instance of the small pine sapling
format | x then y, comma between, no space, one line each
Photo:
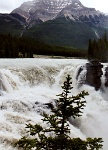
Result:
67,105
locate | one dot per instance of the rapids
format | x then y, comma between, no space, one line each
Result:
25,84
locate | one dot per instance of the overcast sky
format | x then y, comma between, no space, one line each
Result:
6,6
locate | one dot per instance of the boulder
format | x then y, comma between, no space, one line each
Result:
106,76
94,73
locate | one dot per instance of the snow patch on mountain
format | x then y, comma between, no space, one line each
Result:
50,9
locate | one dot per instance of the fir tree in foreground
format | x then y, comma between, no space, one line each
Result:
57,134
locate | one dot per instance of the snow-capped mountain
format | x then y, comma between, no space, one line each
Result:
57,22
42,9
50,9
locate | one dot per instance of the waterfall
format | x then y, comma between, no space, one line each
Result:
27,84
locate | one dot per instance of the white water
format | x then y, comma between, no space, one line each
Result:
25,84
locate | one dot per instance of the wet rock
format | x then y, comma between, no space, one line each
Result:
90,74
49,105
106,76
94,73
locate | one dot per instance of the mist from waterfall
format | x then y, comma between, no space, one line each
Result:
26,84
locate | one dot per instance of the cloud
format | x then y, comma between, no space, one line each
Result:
101,5
88,3
7,7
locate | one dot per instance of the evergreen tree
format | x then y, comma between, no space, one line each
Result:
13,47
105,38
98,49
58,126
90,49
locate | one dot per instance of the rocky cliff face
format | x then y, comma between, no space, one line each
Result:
91,74
50,9
94,73
42,9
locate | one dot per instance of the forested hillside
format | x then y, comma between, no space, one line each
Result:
15,47
98,49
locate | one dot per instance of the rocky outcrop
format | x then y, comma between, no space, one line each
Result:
50,9
106,76
94,73
90,74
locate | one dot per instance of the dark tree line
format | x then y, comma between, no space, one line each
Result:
15,47
98,49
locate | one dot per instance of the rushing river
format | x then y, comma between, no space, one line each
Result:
25,84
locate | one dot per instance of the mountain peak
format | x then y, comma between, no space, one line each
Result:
50,9
45,9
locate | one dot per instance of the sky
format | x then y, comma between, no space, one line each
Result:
7,7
